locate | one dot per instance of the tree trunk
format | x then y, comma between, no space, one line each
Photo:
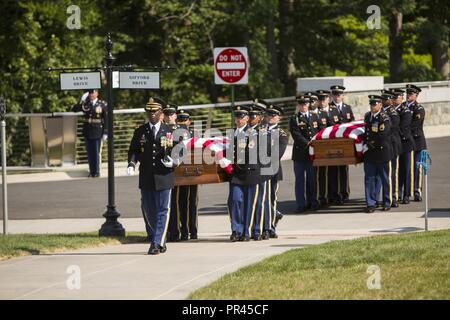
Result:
395,46
272,47
439,49
286,56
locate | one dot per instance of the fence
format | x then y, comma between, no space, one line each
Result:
216,116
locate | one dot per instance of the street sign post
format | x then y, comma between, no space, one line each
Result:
116,77
231,67
4,182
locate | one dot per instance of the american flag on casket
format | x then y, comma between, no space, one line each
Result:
351,130
216,144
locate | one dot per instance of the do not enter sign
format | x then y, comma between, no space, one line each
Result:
231,65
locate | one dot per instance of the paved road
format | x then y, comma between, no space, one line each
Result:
86,198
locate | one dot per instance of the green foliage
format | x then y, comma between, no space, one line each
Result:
306,39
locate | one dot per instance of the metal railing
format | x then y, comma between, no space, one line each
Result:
212,116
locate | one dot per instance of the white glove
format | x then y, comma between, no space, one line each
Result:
84,96
130,170
168,164
105,137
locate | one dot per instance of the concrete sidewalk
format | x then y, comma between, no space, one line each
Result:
126,272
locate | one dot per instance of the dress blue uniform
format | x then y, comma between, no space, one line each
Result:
174,229
94,127
244,179
406,159
377,157
302,128
277,138
187,196
345,115
257,224
149,146
420,143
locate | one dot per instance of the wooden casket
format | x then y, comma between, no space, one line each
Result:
335,152
198,172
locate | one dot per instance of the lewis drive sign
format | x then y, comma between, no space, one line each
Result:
231,65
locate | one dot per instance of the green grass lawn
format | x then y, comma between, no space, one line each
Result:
13,245
412,266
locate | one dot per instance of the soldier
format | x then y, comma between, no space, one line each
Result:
346,115
313,101
303,126
333,117
420,143
389,109
150,146
169,114
323,111
377,155
94,128
406,159
256,114
244,177
276,146
187,196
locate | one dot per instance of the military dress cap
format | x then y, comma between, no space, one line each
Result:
240,111
386,96
388,91
258,107
275,110
397,92
154,104
322,94
337,89
412,88
374,98
183,114
170,108
302,98
312,96
92,90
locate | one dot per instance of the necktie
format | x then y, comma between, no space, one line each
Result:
154,131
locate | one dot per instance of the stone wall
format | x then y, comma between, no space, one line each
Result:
436,113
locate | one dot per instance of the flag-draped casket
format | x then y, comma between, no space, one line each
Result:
204,162
341,144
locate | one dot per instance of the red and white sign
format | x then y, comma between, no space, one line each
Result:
231,65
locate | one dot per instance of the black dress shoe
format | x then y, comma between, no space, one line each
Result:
273,235
245,239
154,249
394,204
184,237
301,210
378,204
370,209
314,208
386,208
265,235
256,237
194,237
418,198
162,249
234,237
278,217
405,200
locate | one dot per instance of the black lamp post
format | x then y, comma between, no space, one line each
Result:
111,227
